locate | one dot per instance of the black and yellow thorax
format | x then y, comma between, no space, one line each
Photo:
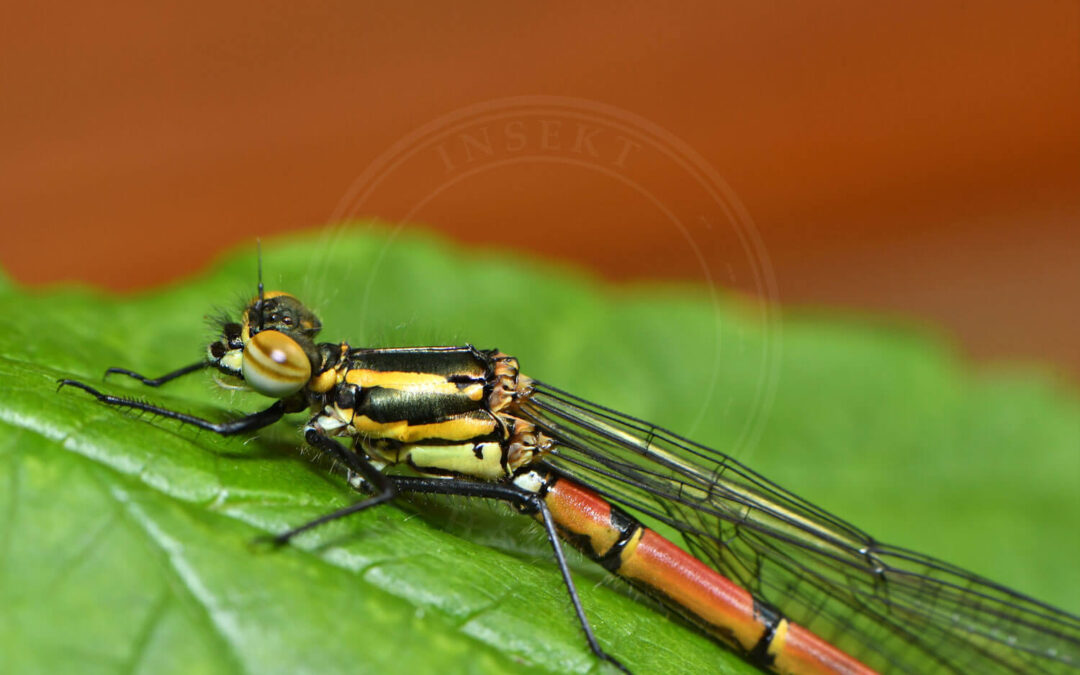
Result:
444,411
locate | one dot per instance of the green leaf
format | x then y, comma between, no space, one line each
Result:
125,540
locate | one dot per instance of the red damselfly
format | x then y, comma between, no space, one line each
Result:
789,586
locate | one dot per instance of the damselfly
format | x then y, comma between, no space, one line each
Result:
784,583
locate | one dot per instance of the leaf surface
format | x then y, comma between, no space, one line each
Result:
125,539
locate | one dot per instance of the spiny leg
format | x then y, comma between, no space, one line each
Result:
384,487
529,502
157,381
251,422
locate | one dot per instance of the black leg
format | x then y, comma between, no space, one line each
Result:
529,502
250,422
564,569
157,382
382,484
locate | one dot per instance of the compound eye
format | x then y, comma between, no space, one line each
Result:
275,365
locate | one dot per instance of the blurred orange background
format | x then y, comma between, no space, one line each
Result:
917,158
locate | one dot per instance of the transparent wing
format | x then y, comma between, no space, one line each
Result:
894,609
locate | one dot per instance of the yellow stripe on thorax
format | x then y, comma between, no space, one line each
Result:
412,381
462,428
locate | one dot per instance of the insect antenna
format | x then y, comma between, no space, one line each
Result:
258,247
